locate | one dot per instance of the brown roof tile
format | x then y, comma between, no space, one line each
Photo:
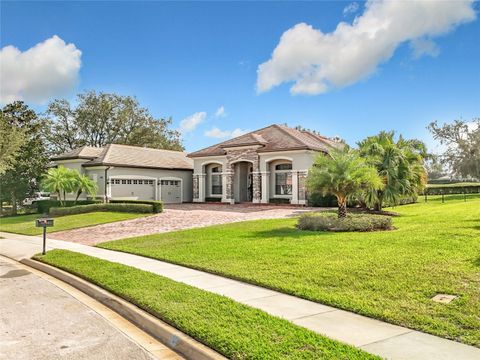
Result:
135,156
272,138
84,152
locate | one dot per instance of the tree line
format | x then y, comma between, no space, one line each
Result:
28,140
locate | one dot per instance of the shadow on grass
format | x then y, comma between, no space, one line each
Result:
290,232
476,262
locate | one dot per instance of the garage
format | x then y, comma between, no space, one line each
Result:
133,189
171,191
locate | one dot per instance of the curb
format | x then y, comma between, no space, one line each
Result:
170,336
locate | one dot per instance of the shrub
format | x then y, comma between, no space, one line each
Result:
468,188
130,208
43,206
353,222
157,205
279,201
318,200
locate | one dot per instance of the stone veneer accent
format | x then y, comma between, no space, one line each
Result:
195,187
302,185
247,154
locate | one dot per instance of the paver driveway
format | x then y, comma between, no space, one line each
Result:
178,217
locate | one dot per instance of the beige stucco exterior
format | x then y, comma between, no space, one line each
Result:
248,165
101,173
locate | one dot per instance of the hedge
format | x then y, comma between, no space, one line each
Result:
353,222
449,189
130,208
156,205
43,206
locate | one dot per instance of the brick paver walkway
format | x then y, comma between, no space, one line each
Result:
178,217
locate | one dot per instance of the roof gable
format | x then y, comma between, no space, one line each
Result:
271,138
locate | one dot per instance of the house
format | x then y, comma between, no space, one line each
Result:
266,165
134,173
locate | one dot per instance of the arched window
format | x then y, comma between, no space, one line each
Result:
283,179
216,180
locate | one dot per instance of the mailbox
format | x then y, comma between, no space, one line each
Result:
44,222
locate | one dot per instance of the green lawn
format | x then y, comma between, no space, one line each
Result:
388,275
235,330
25,224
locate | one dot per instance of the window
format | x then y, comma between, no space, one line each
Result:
283,179
283,167
124,182
135,182
216,178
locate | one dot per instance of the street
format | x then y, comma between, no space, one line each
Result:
38,320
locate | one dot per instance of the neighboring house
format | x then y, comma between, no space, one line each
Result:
134,173
266,165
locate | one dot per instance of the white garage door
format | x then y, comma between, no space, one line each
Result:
171,191
133,189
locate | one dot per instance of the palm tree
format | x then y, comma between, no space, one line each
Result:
399,164
344,174
59,180
84,184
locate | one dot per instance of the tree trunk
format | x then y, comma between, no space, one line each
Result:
14,204
379,203
342,209
78,195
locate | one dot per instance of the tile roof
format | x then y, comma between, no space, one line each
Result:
84,152
135,156
272,138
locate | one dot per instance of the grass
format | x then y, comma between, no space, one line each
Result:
25,224
388,275
235,330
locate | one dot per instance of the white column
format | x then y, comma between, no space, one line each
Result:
294,187
156,188
265,187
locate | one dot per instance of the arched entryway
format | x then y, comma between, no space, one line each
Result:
243,181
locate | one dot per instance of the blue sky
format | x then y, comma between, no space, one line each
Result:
185,58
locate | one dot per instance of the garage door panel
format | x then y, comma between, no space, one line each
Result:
133,189
171,191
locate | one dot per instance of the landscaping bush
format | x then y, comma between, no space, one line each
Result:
129,208
279,201
213,199
457,188
318,200
353,222
43,206
157,205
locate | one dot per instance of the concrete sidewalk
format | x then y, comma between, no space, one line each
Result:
377,337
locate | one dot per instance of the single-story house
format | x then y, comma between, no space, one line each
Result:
133,173
266,165
263,166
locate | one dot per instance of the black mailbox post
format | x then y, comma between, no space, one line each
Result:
44,223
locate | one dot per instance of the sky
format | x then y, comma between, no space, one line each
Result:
219,69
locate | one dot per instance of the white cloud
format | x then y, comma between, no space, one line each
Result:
317,61
46,70
424,46
350,8
222,134
220,112
191,122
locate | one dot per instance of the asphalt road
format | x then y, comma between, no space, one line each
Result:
40,321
